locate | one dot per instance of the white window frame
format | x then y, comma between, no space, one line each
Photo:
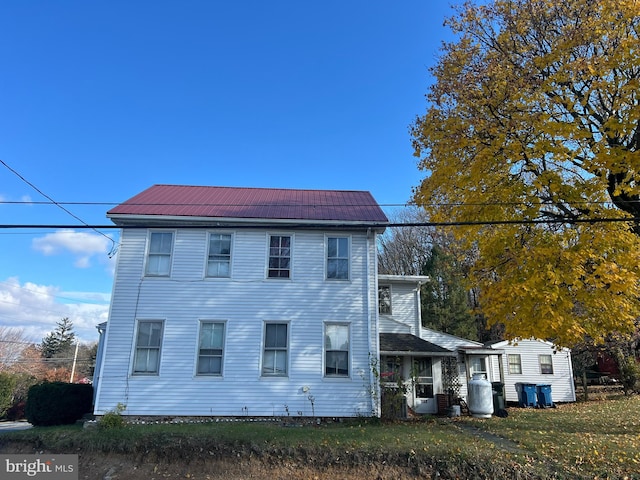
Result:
513,364
290,269
209,254
326,351
211,355
277,350
338,257
543,364
380,304
472,369
150,254
138,348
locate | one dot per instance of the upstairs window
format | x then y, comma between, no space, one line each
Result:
210,347
279,256
148,342
384,300
159,254
219,259
338,258
546,364
336,350
274,361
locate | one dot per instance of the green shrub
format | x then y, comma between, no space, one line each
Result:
629,374
113,419
7,386
58,403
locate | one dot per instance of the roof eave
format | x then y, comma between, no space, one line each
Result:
417,354
145,221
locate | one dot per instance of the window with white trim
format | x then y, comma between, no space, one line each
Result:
546,364
219,257
210,348
336,350
275,357
515,363
478,365
279,256
159,254
338,258
384,299
148,343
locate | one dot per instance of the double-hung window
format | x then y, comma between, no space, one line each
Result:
279,256
219,259
478,365
148,343
338,258
159,254
384,299
546,364
276,341
210,348
515,364
336,350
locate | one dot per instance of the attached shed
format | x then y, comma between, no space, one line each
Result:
536,362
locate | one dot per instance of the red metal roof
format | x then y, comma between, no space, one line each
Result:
257,203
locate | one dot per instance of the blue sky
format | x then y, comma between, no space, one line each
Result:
100,100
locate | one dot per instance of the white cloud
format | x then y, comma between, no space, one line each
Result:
37,308
84,246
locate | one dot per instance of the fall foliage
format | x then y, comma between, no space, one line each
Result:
532,139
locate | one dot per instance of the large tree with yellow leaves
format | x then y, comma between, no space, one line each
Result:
532,140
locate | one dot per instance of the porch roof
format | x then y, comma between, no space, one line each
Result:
407,344
481,351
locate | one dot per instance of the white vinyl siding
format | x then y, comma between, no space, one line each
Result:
159,254
245,303
561,381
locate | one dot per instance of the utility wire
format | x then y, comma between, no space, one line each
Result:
213,223
59,205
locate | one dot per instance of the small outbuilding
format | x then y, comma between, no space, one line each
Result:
535,362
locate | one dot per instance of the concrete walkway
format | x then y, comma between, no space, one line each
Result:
13,426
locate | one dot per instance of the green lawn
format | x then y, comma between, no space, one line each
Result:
596,439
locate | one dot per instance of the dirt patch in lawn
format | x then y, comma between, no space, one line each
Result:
272,464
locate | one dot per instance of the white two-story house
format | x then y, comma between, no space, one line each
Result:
243,302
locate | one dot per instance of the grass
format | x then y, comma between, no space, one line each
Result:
596,439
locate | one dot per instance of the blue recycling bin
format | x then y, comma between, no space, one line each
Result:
543,392
526,394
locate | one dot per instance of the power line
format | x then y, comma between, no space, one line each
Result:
58,204
214,224
373,204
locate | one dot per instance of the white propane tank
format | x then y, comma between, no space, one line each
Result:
480,396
